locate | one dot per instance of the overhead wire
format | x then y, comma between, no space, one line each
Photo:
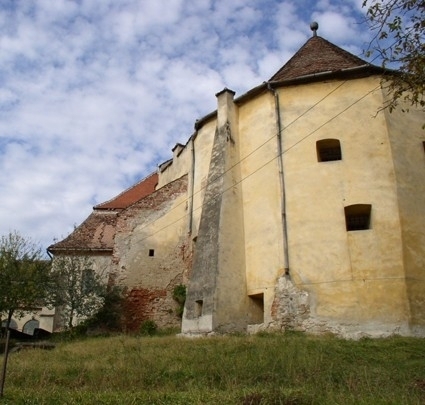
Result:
254,150
261,145
258,147
264,164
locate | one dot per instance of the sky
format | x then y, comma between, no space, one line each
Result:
94,94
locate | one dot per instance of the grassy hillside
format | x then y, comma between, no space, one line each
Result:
286,368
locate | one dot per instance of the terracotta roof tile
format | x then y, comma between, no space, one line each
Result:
97,232
317,55
132,194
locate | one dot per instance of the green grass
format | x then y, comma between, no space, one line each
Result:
288,368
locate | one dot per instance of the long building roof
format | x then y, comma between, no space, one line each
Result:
132,194
97,232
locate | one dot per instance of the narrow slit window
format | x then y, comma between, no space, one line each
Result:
357,217
198,307
151,252
88,280
328,150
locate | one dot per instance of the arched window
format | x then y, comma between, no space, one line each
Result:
30,326
357,217
13,324
328,150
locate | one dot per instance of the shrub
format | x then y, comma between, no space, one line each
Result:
108,317
148,328
179,295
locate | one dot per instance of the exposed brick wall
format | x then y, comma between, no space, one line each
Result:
151,280
290,308
186,252
154,304
141,305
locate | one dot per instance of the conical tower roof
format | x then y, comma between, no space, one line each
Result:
317,56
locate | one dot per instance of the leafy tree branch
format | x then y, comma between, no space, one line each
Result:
399,27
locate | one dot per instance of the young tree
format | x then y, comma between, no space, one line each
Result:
109,316
24,276
24,281
399,41
79,289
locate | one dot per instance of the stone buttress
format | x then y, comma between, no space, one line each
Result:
216,296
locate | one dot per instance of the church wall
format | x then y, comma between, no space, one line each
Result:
230,295
102,264
217,299
180,165
202,145
261,202
407,139
45,316
152,255
352,277
225,239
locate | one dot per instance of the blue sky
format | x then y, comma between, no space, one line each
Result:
94,94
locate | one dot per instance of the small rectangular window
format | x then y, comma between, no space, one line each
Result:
328,150
256,308
151,252
198,307
88,281
357,217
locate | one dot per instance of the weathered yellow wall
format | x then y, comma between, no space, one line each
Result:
352,277
181,161
231,294
407,143
218,274
340,281
262,198
203,147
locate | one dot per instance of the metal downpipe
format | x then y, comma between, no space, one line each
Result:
281,178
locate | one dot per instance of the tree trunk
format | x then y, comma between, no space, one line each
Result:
71,316
6,354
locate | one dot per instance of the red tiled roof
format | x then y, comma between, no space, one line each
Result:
97,232
317,55
131,195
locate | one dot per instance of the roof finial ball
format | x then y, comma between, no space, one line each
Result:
314,26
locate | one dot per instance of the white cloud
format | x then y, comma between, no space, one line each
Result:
94,94
335,25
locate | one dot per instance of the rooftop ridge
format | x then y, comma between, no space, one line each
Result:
124,199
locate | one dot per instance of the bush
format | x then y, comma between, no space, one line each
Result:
108,317
148,328
179,295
